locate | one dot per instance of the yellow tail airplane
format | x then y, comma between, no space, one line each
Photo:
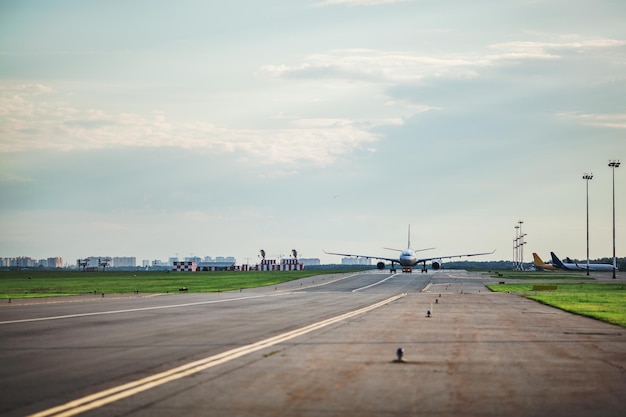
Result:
539,264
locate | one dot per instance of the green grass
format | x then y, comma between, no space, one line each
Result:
27,284
606,302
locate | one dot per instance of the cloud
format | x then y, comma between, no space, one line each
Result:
379,66
550,50
37,117
611,121
32,124
370,65
32,89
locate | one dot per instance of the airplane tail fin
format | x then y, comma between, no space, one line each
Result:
538,261
556,261
409,239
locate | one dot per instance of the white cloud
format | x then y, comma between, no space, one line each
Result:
379,66
550,49
612,121
402,66
34,117
32,124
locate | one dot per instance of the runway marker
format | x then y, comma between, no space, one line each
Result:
99,399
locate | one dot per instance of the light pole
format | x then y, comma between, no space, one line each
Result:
521,245
515,248
587,177
614,164
522,252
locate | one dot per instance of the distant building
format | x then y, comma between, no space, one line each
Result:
96,262
310,261
92,261
124,262
225,259
185,266
286,264
218,266
54,262
356,261
24,262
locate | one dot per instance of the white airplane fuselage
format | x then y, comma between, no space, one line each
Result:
580,266
407,258
592,267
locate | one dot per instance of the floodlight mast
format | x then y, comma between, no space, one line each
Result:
516,249
614,163
521,246
587,177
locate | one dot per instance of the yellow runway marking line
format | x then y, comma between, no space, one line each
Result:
99,399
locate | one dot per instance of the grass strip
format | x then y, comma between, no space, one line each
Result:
28,284
601,301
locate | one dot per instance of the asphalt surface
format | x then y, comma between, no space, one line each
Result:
479,354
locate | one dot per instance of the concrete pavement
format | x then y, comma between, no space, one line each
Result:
480,354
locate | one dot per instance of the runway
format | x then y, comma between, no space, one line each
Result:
479,354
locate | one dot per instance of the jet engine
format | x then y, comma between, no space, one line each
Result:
436,265
380,265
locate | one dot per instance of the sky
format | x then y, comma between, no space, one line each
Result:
158,129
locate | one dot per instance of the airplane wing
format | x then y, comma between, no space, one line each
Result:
384,258
453,256
352,255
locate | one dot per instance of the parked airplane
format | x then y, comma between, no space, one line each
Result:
539,264
569,265
408,259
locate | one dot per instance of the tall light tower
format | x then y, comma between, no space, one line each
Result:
521,246
614,164
587,177
515,242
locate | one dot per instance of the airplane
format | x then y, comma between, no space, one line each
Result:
569,265
539,264
408,259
